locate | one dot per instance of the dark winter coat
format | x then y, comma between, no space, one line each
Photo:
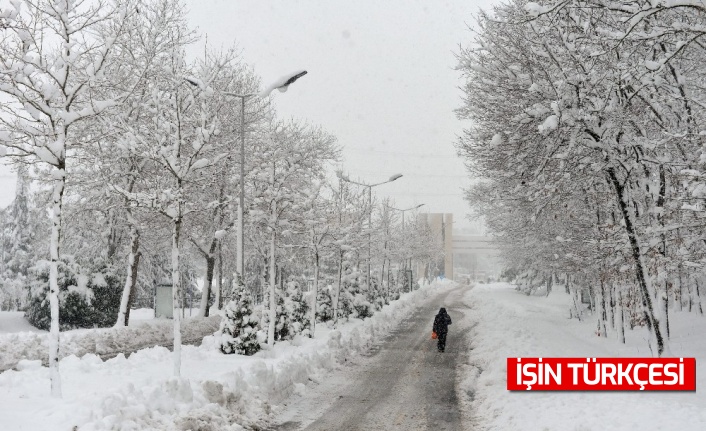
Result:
442,322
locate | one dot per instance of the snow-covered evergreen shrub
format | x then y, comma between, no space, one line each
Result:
324,308
528,281
73,303
240,324
393,291
362,306
87,299
375,295
297,309
350,289
106,282
345,305
282,323
379,302
404,283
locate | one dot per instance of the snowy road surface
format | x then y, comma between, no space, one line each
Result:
404,383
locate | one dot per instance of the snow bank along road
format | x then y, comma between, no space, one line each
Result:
105,342
403,383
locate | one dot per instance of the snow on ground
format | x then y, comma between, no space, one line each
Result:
215,392
14,321
144,330
511,324
141,314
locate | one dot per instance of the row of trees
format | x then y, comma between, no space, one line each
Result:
134,148
588,139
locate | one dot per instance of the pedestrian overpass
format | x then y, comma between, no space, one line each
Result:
462,244
465,256
474,257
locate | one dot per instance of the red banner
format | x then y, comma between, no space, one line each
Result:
601,374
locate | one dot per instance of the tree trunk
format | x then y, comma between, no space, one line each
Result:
263,285
622,317
273,302
337,293
133,261
228,287
640,272
389,286
219,278
666,308
576,305
57,200
591,298
175,294
681,291
133,288
604,311
208,283
316,292
382,279
208,280
698,296
612,305
550,282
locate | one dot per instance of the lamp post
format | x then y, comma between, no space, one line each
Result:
370,206
405,210
282,84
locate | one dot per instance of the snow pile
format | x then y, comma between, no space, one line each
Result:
216,391
106,341
511,324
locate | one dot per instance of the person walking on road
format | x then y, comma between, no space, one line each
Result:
441,327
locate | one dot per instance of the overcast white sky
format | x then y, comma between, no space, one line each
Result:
381,79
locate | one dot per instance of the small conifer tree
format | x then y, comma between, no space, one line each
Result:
297,309
324,309
239,325
282,322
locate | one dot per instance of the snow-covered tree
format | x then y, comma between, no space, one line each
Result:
52,56
297,309
240,324
17,237
293,157
177,139
584,120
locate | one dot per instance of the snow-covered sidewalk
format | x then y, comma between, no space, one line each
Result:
511,324
216,391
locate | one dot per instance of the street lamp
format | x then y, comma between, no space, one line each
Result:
281,84
370,205
404,210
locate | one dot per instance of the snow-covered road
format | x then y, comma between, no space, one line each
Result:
403,383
